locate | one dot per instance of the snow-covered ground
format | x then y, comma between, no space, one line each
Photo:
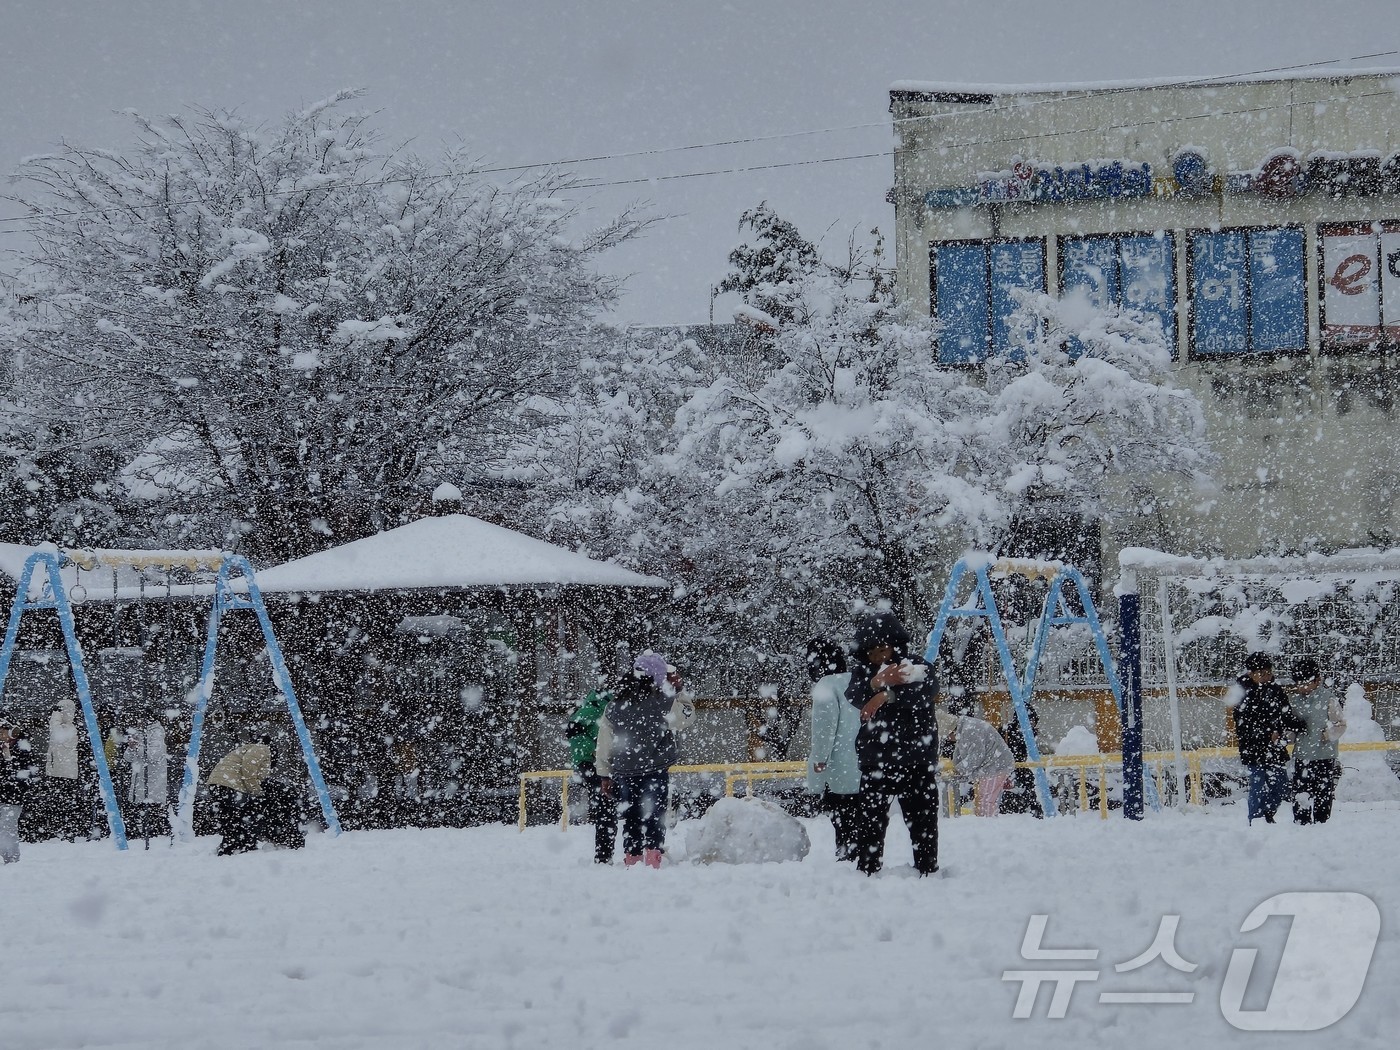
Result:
492,938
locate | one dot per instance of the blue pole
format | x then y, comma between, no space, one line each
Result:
115,824
1018,690
17,608
284,682
1131,668
189,785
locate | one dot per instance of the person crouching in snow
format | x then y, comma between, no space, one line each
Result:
233,785
980,755
897,744
636,749
833,771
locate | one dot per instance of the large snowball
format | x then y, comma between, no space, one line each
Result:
746,831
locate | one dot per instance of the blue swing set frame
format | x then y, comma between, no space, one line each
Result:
1055,613
233,570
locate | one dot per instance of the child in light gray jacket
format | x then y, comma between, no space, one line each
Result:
980,755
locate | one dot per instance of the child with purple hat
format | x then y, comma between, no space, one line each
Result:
636,749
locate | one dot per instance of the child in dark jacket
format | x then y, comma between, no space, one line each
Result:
636,749
1262,717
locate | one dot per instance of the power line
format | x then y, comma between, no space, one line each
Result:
809,162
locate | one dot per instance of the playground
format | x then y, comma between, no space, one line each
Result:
505,936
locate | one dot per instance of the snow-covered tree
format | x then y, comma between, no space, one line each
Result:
292,332
1084,403
582,464
829,477
769,274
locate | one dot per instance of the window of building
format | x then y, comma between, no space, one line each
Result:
1136,271
971,285
1247,291
1360,273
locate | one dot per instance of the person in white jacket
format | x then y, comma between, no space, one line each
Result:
69,808
980,755
149,788
833,770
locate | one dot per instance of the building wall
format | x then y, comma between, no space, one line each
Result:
1305,437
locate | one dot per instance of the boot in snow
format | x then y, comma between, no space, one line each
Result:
630,860
652,858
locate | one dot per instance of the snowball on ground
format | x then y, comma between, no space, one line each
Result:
1366,775
746,831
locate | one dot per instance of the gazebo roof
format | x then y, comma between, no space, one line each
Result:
450,551
453,550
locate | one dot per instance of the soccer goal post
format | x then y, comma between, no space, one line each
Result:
1202,616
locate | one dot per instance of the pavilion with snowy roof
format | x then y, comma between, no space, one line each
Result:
448,552
432,658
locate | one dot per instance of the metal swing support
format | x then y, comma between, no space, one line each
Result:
53,596
228,599
1055,613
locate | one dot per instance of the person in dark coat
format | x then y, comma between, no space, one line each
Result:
19,770
1022,796
897,745
1262,716
635,752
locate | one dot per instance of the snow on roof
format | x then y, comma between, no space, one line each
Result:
1343,563
923,87
453,550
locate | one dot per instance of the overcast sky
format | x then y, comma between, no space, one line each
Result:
526,81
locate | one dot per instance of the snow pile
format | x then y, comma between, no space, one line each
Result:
746,831
1366,776
1080,740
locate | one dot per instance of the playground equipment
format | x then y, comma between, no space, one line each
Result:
53,595
234,588
1055,613
1341,608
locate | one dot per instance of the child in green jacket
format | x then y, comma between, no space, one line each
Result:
582,732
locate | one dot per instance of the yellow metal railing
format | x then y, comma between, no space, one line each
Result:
1157,761
1195,772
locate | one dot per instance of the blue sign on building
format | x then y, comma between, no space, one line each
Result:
1247,291
973,295
960,302
1136,272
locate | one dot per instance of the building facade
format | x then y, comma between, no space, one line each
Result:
1259,220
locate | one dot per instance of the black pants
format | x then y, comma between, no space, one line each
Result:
602,813
917,792
1022,796
1314,789
280,815
641,806
236,818
844,811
